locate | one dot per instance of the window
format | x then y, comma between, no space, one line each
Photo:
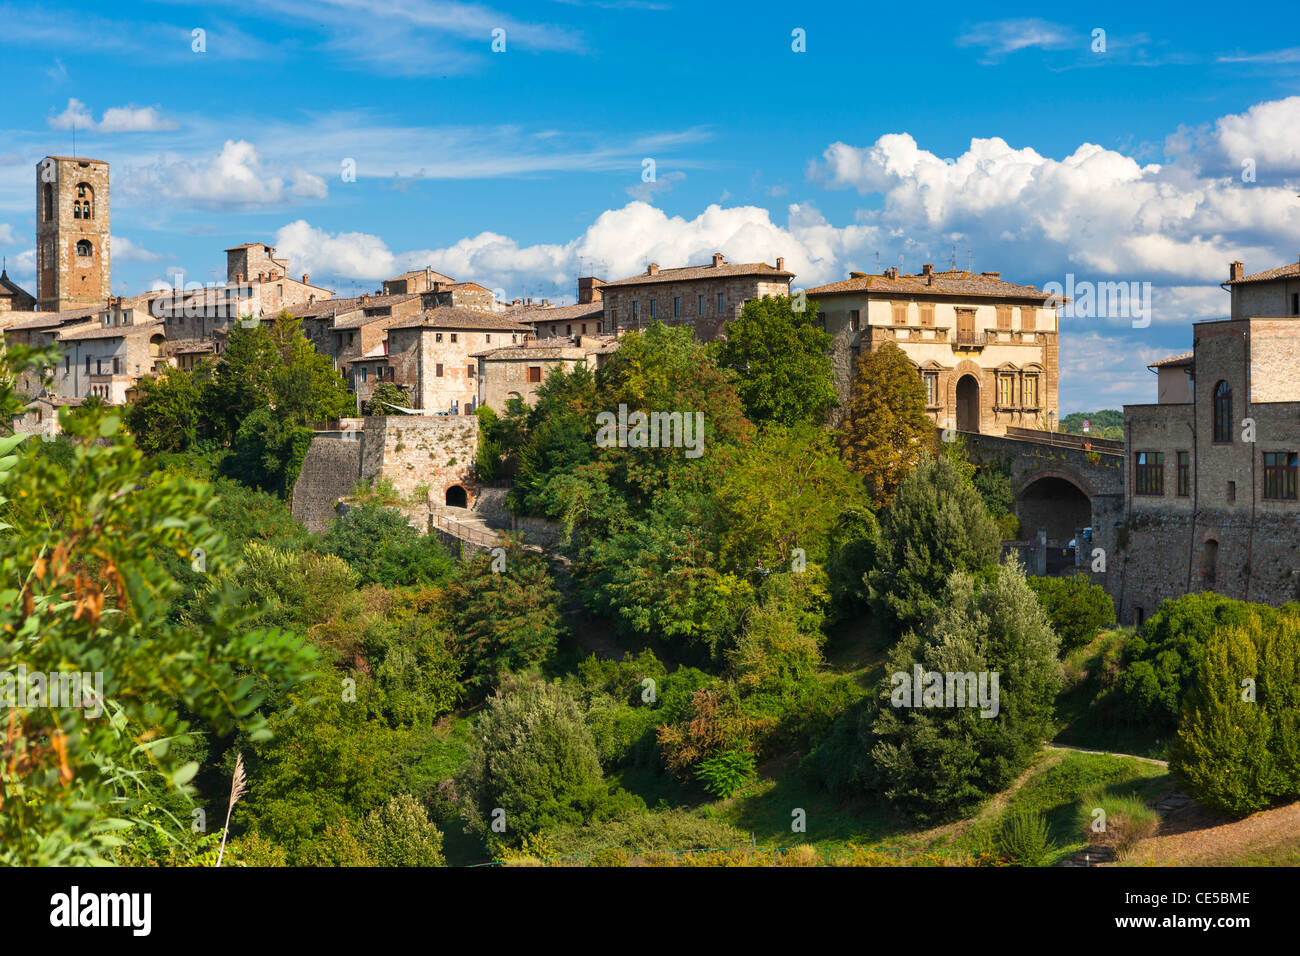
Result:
927,314
654,308
636,309
488,338
1280,475
677,307
534,373
67,364
1295,303
722,302
471,370
1149,473
99,366
117,366
1006,390
855,318
931,388
84,207
1004,317
584,328
1031,391
821,321
899,310
437,370
87,364
453,336
1184,474
437,336
703,304
1223,412
363,373
83,247
855,351
1232,491
47,193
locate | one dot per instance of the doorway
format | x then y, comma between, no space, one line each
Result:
968,404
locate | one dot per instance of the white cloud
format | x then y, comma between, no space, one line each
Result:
999,38
7,237
125,251
116,119
237,174
661,184
1092,378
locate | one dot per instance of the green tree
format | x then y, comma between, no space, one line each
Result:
936,524
534,760
384,395
242,381
268,452
170,412
82,590
885,430
305,385
381,546
1077,608
781,360
400,833
505,612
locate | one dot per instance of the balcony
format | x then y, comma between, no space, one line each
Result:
971,339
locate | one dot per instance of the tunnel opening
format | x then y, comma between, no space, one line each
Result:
1055,504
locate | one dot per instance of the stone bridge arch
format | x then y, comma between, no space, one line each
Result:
1058,500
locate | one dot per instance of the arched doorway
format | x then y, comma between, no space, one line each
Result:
968,404
1210,562
456,497
1057,505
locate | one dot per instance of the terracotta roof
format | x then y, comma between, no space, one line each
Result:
457,318
249,245
956,282
688,273
417,272
52,320
560,313
1185,359
1281,272
98,331
325,307
525,352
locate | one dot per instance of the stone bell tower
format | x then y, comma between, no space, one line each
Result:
72,233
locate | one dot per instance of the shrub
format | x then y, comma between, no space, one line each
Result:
1125,819
382,547
1077,608
400,834
725,773
534,760
1023,838
1238,743
646,831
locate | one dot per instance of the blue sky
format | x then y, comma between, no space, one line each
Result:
1009,139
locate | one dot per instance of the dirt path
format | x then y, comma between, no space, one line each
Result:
1198,836
1106,753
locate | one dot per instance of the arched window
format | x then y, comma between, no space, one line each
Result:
1223,412
86,193
83,248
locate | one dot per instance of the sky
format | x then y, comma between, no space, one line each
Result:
521,145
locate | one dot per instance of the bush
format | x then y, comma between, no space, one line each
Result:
1238,743
665,831
1077,608
535,761
1125,819
724,774
400,834
1023,838
382,547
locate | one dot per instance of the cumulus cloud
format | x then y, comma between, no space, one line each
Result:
116,119
7,237
237,174
645,191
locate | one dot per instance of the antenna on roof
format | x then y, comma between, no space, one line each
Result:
74,137
952,259
877,260
970,261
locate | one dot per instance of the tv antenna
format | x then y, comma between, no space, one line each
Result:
952,259
970,261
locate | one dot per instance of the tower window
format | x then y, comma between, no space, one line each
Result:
84,207
47,192
1223,412
83,248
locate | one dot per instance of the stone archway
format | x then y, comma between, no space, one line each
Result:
457,497
1055,502
968,404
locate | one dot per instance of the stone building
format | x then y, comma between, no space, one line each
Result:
415,282
430,356
14,298
584,317
706,297
253,264
516,371
72,233
1211,485
985,348
107,357
458,295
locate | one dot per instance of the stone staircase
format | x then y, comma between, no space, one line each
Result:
1170,803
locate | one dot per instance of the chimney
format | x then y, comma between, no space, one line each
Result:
992,275
306,278
780,264
652,269
589,290
1236,270
927,269
717,259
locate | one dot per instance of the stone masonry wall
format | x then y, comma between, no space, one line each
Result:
329,472
436,451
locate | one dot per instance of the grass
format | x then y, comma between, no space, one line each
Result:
1081,721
